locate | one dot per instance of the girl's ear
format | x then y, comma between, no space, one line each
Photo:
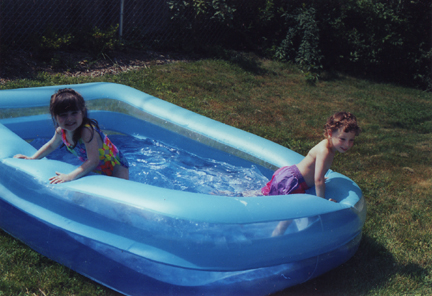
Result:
330,133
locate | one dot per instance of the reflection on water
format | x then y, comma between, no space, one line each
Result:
155,163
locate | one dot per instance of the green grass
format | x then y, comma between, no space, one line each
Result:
391,162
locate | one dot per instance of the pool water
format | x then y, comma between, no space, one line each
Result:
156,163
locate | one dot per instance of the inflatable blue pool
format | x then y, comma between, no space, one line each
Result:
140,239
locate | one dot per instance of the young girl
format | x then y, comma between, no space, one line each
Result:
82,137
339,132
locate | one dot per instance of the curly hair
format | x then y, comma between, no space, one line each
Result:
342,120
65,100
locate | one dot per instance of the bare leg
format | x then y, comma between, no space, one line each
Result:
281,228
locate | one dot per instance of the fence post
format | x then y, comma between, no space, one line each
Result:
121,19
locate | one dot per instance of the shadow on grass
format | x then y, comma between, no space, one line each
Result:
371,267
247,61
331,75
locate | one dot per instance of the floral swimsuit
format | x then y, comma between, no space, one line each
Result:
109,155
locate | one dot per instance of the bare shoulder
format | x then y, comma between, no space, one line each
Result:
322,150
58,134
316,152
90,135
58,130
87,134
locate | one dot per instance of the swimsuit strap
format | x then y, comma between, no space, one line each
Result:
67,144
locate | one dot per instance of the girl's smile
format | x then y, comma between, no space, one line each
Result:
70,120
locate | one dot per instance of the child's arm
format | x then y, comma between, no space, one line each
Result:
92,147
46,149
322,163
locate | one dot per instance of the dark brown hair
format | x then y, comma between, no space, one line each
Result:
342,120
65,100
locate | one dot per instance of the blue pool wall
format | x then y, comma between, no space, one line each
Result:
72,225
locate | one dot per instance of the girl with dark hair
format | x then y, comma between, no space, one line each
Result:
82,137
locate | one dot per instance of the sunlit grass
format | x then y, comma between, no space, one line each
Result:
391,162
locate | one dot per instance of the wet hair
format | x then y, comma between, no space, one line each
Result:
65,100
342,120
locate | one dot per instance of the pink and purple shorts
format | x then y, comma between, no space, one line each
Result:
286,180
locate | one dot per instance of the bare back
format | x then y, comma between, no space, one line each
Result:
317,162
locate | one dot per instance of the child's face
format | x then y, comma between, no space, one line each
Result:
70,120
341,141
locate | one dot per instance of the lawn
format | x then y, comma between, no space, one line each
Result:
391,162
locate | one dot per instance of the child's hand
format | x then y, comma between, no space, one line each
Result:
21,156
60,178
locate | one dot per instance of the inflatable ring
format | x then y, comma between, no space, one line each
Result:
140,239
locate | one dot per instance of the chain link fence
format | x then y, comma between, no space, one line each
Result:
24,22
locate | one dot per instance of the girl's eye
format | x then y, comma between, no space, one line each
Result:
73,113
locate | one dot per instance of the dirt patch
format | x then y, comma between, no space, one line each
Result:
25,65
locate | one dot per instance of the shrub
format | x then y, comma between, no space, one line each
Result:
100,42
302,41
193,20
382,39
44,47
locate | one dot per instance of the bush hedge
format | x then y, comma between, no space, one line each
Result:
389,40
386,40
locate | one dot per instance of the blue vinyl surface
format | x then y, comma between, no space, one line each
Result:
140,239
